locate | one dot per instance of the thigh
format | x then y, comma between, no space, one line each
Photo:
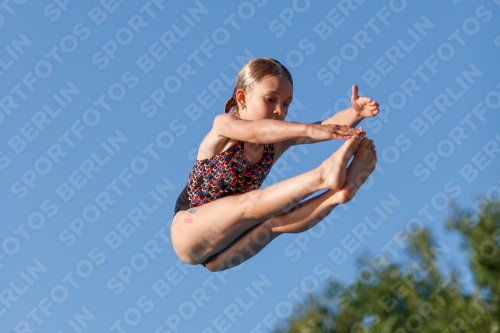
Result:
204,230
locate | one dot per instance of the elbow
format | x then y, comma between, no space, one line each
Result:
220,125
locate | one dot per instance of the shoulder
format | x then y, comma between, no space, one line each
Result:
225,124
224,119
215,143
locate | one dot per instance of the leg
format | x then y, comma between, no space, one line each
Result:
209,228
302,217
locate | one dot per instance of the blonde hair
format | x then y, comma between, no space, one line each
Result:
254,71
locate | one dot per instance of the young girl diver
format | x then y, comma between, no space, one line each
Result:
222,217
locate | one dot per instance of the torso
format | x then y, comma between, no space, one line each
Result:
210,147
229,172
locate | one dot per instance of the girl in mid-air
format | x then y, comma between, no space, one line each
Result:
222,217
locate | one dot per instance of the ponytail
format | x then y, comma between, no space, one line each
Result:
230,104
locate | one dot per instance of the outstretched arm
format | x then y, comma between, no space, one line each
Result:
273,131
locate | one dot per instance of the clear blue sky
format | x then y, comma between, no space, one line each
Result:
102,107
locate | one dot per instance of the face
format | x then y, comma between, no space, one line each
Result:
267,99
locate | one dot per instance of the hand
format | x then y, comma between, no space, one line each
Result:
364,106
318,132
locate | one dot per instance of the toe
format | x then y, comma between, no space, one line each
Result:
354,142
365,143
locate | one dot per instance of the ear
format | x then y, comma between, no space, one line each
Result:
241,98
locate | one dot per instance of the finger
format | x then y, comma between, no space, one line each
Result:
354,92
350,130
347,134
364,100
343,132
343,129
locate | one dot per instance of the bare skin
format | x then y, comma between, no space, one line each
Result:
359,170
303,216
215,225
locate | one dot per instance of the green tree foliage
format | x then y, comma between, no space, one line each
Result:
416,296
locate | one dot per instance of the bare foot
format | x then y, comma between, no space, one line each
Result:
361,167
334,167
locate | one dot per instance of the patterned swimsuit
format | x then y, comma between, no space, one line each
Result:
227,173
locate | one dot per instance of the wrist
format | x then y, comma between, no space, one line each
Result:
306,131
355,113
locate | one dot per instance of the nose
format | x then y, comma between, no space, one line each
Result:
281,110
278,110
